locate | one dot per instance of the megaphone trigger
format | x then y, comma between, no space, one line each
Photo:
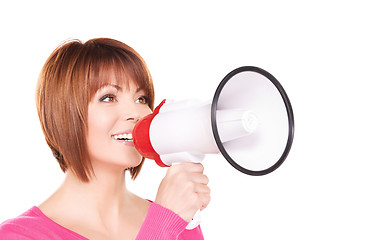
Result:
196,220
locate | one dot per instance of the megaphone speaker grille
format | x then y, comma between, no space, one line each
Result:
264,109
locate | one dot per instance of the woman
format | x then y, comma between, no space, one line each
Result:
89,97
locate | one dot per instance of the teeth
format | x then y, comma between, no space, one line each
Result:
125,137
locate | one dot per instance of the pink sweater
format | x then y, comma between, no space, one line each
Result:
160,223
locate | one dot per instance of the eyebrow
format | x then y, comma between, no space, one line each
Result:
116,86
139,89
119,88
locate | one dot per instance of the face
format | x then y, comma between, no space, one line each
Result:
112,114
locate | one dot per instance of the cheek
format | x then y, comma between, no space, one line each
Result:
99,126
145,111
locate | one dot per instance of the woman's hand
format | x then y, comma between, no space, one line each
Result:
184,190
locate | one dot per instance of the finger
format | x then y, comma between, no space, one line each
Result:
202,188
186,167
199,178
194,167
205,200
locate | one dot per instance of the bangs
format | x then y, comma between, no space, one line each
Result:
120,67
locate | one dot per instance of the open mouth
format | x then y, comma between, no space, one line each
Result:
123,137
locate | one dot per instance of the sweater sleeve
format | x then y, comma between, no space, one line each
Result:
161,223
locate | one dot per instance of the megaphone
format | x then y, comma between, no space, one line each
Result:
249,121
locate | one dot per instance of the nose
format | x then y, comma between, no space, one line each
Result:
133,119
133,115
136,113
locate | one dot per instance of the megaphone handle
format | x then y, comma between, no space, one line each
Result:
196,220
177,158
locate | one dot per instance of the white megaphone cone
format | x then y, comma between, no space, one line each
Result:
249,121
182,131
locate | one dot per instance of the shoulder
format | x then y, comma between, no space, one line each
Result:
140,205
22,226
33,224
27,219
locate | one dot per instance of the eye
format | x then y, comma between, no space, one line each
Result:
108,98
142,100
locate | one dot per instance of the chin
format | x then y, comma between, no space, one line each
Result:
124,162
136,163
133,161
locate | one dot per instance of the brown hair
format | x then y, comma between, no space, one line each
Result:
68,80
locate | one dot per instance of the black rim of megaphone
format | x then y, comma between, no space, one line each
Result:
290,115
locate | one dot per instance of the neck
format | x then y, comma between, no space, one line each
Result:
104,198
103,204
105,192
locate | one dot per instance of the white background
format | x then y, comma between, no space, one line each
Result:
320,51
